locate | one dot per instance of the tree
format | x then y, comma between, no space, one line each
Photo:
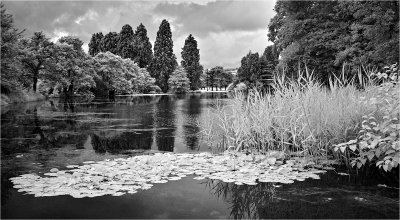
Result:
179,82
164,62
114,72
191,62
143,82
9,50
250,70
75,69
325,35
95,44
213,76
225,78
142,47
125,47
268,62
109,43
121,75
35,57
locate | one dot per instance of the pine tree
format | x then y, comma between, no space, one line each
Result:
109,43
164,62
94,45
125,43
191,62
142,47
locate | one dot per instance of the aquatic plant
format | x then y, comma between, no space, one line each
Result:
301,118
127,175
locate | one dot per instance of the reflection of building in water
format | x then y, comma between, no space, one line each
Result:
165,123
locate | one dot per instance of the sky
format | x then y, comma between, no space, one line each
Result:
225,30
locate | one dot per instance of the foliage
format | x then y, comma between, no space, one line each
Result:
213,74
109,43
143,82
73,68
95,44
35,55
268,63
378,139
324,35
10,64
127,175
179,82
191,62
142,47
164,62
122,75
301,117
249,71
125,47
115,72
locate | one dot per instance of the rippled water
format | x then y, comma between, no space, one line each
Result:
36,137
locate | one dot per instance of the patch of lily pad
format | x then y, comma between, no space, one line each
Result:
128,175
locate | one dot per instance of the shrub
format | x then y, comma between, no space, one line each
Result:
179,82
378,138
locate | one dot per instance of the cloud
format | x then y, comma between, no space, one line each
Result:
225,30
57,34
89,15
219,16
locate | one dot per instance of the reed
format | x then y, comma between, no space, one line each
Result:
301,118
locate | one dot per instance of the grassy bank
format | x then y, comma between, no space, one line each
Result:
313,122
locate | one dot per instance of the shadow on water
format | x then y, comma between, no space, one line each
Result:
165,123
333,196
191,128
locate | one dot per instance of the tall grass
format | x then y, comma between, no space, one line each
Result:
301,118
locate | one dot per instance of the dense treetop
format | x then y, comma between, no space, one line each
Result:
325,35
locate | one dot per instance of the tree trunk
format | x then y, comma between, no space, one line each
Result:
35,79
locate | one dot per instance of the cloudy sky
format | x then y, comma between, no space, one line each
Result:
225,30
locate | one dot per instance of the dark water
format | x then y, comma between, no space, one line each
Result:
36,137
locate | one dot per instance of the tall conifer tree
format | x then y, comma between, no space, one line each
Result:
94,45
164,62
109,43
191,62
125,43
142,47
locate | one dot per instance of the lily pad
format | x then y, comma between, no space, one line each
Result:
127,175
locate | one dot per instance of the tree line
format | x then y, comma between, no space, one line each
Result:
327,37
118,62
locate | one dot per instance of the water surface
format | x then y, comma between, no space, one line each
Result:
36,137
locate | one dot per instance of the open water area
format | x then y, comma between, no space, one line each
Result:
36,137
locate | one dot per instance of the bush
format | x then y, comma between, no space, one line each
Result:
178,82
378,138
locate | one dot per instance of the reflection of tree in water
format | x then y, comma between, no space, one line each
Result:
165,123
190,128
124,141
32,130
246,201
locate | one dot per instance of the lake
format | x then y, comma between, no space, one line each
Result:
36,137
